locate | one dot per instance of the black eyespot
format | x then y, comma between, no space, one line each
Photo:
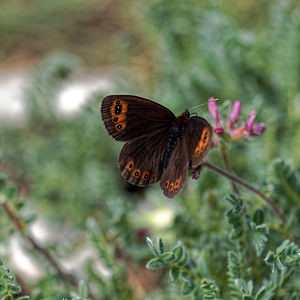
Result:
118,109
119,126
136,174
116,119
118,102
130,166
146,176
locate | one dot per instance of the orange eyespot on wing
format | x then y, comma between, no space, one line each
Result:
120,126
129,166
146,175
201,146
171,186
136,173
177,183
167,184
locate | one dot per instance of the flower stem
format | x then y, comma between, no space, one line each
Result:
227,167
249,187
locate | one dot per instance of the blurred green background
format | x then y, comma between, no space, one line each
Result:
178,53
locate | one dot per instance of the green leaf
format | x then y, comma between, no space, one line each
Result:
282,247
155,263
279,264
174,273
209,289
292,259
9,276
259,216
159,246
23,298
151,246
187,288
2,287
260,237
14,288
263,294
167,256
7,297
178,252
270,258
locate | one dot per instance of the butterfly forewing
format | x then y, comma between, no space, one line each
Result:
140,160
128,117
198,135
174,176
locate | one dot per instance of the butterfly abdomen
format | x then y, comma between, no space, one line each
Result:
174,135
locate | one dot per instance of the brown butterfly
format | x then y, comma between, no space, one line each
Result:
159,145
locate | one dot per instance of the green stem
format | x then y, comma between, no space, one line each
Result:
182,268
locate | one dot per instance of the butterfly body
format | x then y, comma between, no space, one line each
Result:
175,134
159,146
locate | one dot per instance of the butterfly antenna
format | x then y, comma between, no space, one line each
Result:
210,100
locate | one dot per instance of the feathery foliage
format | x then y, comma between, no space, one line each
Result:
59,173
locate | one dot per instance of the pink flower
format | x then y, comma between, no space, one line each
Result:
258,129
249,122
248,129
219,130
196,172
236,108
214,111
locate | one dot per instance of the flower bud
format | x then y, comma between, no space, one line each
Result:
258,129
236,108
249,122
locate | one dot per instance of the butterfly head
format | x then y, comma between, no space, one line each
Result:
184,116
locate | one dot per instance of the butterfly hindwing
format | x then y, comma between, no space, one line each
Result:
128,117
174,176
198,135
140,159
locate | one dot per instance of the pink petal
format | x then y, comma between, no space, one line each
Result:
219,130
236,108
213,109
238,133
258,129
196,174
249,122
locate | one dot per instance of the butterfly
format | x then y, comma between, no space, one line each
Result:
159,146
